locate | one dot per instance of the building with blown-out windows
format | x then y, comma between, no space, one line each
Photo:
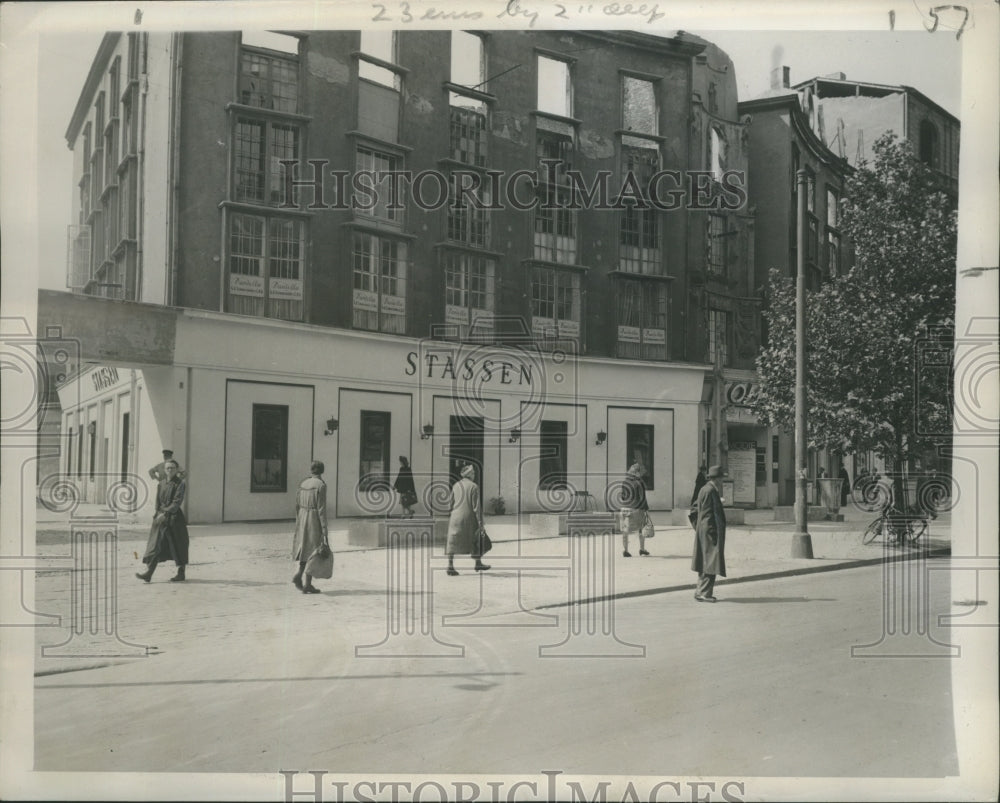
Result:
527,250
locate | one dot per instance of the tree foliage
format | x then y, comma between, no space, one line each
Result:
868,329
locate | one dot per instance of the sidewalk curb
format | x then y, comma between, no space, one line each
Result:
801,570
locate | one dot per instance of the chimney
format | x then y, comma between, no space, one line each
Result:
780,78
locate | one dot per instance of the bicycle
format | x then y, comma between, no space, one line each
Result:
898,527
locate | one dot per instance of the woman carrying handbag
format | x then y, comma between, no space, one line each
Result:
311,531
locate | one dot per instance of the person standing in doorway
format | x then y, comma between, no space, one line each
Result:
466,521
157,473
405,488
845,485
310,524
168,537
709,519
634,498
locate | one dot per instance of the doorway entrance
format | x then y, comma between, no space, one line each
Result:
465,446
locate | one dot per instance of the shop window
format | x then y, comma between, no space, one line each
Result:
553,445
269,449
555,304
373,469
265,266
641,308
379,300
469,295
555,88
639,450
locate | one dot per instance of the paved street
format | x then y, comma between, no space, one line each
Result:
247,674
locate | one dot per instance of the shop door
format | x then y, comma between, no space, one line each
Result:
465,446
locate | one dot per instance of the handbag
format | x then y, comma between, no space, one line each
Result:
693,517
320,563
485,543
648,530
408,498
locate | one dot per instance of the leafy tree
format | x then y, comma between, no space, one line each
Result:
868,329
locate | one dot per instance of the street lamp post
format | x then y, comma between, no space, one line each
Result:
801,540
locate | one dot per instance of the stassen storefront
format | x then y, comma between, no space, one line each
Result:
248,403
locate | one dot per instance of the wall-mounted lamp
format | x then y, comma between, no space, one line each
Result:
515,435
332,425
601,437
428,431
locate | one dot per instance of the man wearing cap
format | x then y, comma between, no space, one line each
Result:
709,519
157,473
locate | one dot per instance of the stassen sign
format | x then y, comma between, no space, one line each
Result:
104,378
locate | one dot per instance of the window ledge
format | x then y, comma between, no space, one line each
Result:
573,121
625,132
545,263
265,211
395,147
451,163
656,277
250,111
374,226
469,92
472,249
357,55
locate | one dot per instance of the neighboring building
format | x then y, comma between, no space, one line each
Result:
848,116
552,347
781,143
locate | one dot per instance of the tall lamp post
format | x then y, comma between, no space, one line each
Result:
801,540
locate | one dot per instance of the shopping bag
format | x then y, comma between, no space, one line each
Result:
320,563
485,543
648,531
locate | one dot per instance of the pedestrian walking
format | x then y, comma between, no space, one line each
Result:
157,473
405,488
699,483
310,524
636,518
709,518
466,521
168,536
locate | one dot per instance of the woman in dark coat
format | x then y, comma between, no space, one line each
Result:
709,557
465,522
405,488
310,524
168,537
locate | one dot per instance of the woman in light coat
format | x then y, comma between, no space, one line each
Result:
466,521
310,524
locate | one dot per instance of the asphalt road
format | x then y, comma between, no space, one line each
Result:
763,683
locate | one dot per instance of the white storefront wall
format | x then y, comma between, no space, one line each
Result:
202,408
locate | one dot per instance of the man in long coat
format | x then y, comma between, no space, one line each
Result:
310,524
168,537
465,522
709,557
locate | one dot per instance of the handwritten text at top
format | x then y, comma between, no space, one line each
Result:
523,11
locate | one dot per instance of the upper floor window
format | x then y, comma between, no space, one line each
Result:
269,80
717,152
379,300
468,219
639,233
641,314
555,304
555,88
469,294
114,85
133,56
639,108
832,207
468,63
719,334
379,45
468,111
554,221
717,248
380,86
99,115
259,148
929,150
265,266
379,164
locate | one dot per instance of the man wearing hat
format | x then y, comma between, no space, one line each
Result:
709,519
157,473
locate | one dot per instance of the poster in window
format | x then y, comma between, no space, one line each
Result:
453,314
569,328
285,289
393,305
657,336
628,334
242,285
365,300
543,327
